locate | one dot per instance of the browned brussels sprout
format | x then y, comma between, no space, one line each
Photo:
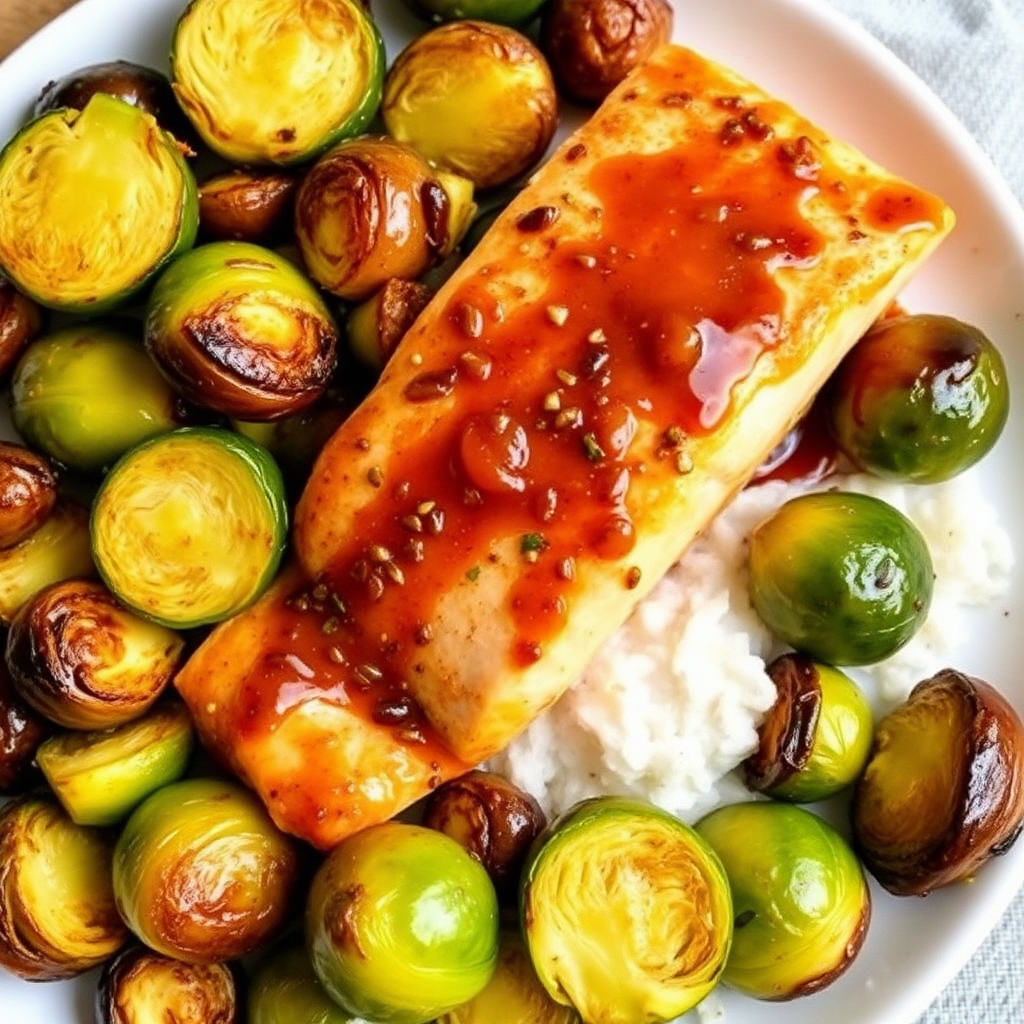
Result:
57,912
201,873
80,658
474,97
247,206
20,320
376,326
944,788
593,44
28,492
142,987
493,819
21,732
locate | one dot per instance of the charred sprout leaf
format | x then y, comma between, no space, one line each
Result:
402,924
21,732
28,492
475,98
201,873
843,577
919,398
239,329
277,81
375,327
189,528
626,912
20,321
500,12
247,206
86,256
944,788
801,902
57,912
99,777
80,658
86,394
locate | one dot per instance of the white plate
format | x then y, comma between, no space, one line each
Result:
836,74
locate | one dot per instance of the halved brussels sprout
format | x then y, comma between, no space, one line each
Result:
92,203
801,902
57,550
80,658
142,987
86,394
238,328
815,738
99,777
28,492
919,398
20,320
277,81
944,788
57,911
21,732
843,577
626,912
189,528
402,924
475,98
247,206
500,12
375,327
201,873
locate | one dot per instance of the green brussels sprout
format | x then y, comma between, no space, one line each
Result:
86,394
239,329
499,12
28,493
402,924
626,912
919,398
99,777
57,912
201,873
475,98
92,204
843,577
815,739
277,81
801,901
189,528
943,790
79,658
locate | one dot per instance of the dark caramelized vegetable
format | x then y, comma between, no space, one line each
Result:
28,492
801,902
20,320
376,326
474,97
57,912
247,206
201,873
493,819
142,987
79,657
21,732
284,990
944,788
593,44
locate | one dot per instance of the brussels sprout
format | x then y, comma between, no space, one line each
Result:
593,44
78,657
372,209
99,777
499,12
919,398
92,203
843,577
493,819
28,493
815,738
88,393
801,902
476,98
189,528
277,81
247,206
21,732
514,994
238,328
201,873
943,790
402,924
376,326
20,320
58,550
57,911
626,912
142,987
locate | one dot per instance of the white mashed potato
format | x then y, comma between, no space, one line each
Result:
671,703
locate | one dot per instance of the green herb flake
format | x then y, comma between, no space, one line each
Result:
532,542
473,574
594,451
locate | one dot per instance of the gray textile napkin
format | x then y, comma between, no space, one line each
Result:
971,53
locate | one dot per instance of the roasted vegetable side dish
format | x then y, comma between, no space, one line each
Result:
247,205
21,732
28,492
20,322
